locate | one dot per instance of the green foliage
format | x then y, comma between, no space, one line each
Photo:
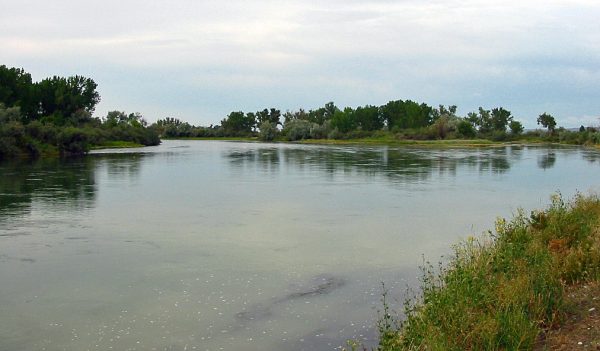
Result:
368,118
497,293
17,89
268,131
547,121
406,114
466,129
59,98
441,127
55,116
297,129
500,119
516,128
499,135
73,141
239,124
11,138
10,114
483,120
588,137
272,116
344,121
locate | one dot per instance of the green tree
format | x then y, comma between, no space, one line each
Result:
251,120
323,114
344,121
301,114
272,116
237,123
368,118
500,119
406,114
16,89
60,97
547,121
516,128
484,121
442,110
329,110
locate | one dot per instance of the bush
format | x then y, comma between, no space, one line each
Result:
335,134
466,130
73,141
268,131
8,145
319,131
499,135
297,129
516,127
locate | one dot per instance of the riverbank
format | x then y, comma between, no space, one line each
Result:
387,140
507,291
117,144
406,142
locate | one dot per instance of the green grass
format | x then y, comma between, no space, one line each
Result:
500,292
403,142
388,139
215,138
118,144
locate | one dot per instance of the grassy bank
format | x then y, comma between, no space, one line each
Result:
504,291
401,142
380,140
214,138
117,144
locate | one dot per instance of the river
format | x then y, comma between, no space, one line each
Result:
209,245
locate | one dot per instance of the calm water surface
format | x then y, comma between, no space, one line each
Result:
201,245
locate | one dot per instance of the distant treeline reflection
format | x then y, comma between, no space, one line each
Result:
401,165
65,184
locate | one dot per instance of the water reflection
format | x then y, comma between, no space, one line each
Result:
63,183
59,184
591,156
547,161
399,165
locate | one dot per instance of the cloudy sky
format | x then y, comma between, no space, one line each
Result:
197,60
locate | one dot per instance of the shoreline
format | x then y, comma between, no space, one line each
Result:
445,143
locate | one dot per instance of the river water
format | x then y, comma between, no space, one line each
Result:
208,245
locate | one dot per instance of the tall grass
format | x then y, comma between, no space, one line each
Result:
500,292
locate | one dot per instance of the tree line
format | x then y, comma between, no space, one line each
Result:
402,119
54,116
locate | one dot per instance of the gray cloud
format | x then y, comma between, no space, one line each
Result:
197,60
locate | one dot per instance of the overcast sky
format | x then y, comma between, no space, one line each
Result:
198,60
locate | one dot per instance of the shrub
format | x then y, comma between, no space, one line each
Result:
499,135
297,129
466,129
268,131
318,131
73,141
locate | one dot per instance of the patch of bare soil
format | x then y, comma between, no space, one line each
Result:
580,329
